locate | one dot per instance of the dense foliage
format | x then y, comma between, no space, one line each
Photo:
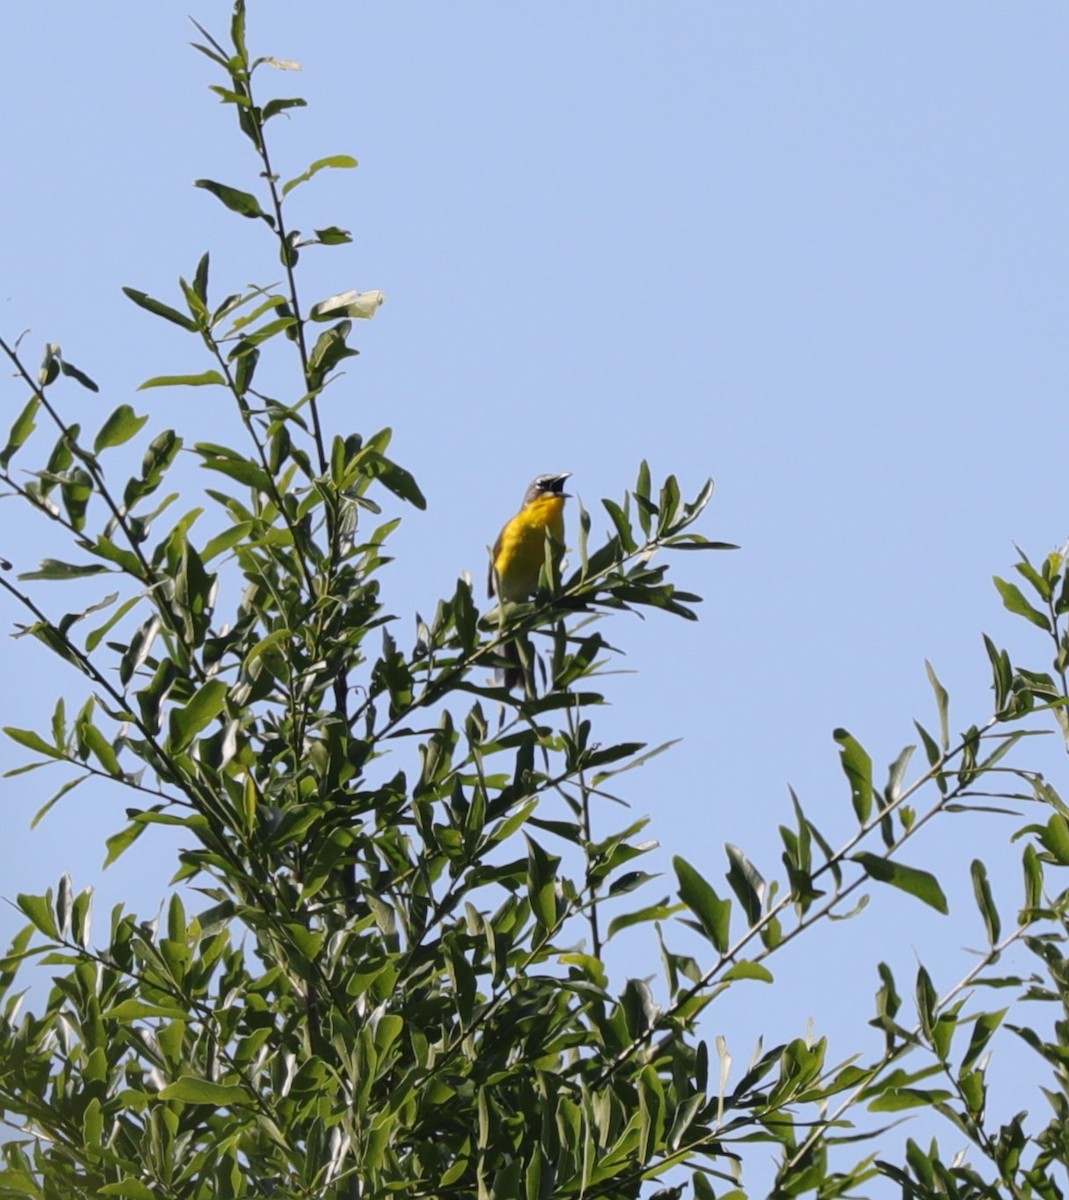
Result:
393,980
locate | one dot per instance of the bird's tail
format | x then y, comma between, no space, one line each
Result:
512,675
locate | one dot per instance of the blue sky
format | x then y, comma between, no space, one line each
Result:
818,252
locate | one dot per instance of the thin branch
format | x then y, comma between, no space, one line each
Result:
842,893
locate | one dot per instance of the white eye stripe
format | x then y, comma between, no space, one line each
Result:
551,483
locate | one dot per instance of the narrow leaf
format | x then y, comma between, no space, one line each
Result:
941,703
72,372
205,706
338,161
746,882
102,750
714,914
237,201
32,741
273,107
160,309
205,377
985,901
921,884
857,766
1013,599
983,1030
51,568
24,425
748,970
201,1091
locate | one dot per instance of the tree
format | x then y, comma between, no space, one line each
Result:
394,979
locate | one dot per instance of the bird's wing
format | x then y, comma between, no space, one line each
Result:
493,559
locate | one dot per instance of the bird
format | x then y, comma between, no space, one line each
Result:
520,550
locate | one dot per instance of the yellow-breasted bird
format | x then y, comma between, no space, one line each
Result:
520,550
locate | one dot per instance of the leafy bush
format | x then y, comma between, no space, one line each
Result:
394,979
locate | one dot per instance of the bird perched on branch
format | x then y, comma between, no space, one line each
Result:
520,550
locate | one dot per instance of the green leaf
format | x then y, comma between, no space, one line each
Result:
746,882
603,756
857,766
703,1189
226,540
273,107
240,469
984,1028
330,349
128,1187
1013,599
72,372
653,912
642,484
1041,583
45,808
899,1099
200,278
206,705
64,904
748,970
942,706
1055,838
695,541
96,636
102,749
24,425
333,236
338,161
159,309
921,884
49,372
668,504
76,489
133,1009
927,1001
237,201
896,773
697,506
985,902
264,333
32,741
118,428
39,910
270,303
622,524
51,568
120,842
220,58
396,479
541,883
1033,878
714,914
237,32
244,369
200,1091
201,380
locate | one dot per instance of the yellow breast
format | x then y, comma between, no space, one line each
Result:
521,549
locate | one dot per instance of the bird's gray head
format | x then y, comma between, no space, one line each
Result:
547,485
